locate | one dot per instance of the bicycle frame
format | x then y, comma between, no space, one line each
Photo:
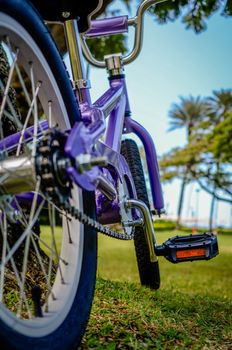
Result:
49,222
83,141
114,104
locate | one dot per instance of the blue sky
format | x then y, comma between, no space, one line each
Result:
176,62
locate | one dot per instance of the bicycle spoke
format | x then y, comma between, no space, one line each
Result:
68,227
23,85
5,93
50,114
27,245
22,219
42,266
25,233
4,236
13,116
51,211
35,110
27,118
52,253
27,96
51,250
22,292
3,178
6,247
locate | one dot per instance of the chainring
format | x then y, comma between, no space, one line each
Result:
51,163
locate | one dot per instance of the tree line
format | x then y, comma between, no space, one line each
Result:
206,157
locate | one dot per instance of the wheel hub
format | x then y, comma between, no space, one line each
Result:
51,164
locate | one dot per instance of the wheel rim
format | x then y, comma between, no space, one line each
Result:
51,258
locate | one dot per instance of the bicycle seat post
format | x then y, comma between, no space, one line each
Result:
80,82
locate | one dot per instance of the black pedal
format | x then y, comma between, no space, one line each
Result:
189,248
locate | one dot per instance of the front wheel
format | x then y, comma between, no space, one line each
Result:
148,271
47,258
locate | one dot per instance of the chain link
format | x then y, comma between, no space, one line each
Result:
88,221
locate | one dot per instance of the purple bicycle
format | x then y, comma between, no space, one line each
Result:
68,170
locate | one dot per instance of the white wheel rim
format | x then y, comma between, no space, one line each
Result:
70,252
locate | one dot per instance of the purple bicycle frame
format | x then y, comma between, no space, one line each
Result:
85,134
114,102
121,123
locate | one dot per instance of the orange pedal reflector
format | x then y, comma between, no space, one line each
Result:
190,253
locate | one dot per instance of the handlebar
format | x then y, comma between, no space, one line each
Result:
118,25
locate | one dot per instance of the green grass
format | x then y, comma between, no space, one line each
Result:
192,309
117,262
46,236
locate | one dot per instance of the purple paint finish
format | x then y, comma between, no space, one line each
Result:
109,99
115,126
84,135
116,103
81,138
83,96
121,82
108,26
152,162
118,163
87,180
94,120
11,142
80,142
27,198
75,143
107,212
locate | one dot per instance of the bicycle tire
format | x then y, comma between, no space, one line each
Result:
67,308
148,271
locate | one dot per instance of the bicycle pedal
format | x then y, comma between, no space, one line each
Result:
189,248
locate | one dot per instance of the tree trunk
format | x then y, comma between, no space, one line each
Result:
181,198
212,208
211,217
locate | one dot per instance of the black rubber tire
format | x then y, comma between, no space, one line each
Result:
148,271
69,333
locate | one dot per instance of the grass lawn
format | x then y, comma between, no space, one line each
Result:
117,262
191,310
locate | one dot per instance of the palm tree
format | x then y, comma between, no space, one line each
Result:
187,114
219,105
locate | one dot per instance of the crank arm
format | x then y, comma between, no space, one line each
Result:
149,230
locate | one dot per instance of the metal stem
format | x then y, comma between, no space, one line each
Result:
137,22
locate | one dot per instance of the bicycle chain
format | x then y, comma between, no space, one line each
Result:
50,186
87,220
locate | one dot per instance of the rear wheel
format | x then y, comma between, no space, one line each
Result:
48,259
148,271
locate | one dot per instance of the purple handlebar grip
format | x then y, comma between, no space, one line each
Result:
108,26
